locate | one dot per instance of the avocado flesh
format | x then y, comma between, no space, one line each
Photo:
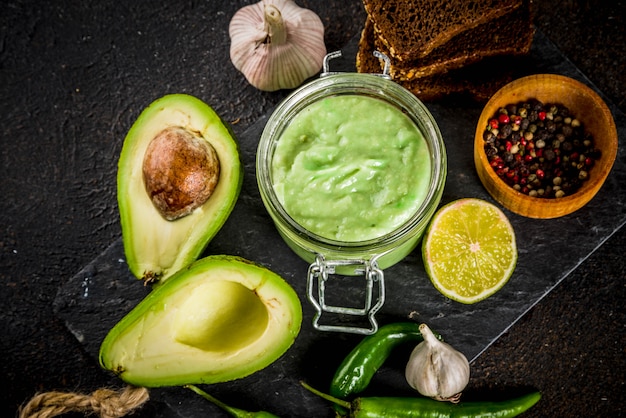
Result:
172,338
156,248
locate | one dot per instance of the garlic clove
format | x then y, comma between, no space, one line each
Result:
437,370
276,44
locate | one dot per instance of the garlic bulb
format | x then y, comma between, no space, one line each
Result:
276,44
435,369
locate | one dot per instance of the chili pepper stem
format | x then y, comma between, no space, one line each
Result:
326,396
209,397
235,412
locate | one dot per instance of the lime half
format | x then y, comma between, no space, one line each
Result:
469,250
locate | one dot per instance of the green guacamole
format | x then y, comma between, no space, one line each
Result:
351,168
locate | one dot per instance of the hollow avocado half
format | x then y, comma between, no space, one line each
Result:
156,247
220,319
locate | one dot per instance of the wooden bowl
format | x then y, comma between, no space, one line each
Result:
586,106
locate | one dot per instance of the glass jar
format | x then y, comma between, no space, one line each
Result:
368,258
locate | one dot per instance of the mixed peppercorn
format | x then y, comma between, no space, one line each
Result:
540,149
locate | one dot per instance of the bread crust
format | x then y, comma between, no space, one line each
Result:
477,82
510,34
412,29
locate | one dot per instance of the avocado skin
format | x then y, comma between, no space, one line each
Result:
141,348
156,248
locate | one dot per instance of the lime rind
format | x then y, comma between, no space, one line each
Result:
469,250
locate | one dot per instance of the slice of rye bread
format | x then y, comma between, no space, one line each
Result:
477,82
510,34
412,29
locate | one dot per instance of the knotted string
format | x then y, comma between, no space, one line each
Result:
105,402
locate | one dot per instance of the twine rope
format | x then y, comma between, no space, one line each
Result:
105,402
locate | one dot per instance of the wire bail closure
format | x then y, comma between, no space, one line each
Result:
338,54
318,274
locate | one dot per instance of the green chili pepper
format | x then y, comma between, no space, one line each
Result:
406,407
237,413
356,371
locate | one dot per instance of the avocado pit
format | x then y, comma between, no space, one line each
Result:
180,172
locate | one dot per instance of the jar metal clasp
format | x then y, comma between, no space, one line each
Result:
374,298
337,54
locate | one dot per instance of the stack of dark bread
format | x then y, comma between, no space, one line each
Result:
437,48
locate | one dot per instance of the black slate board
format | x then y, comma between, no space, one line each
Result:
94,299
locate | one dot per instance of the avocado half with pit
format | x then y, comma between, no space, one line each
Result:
179,177
220,319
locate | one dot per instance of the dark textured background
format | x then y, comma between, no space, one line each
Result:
75,75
